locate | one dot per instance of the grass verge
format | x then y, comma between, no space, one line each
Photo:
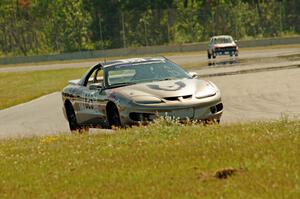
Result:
19,87
163,160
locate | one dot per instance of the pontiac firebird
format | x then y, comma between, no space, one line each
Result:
132,91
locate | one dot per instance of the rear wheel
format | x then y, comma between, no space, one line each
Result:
113,115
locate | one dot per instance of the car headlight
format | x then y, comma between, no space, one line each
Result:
146,100
207,91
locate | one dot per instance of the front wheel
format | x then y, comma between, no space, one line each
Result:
113,116
74,126
208,55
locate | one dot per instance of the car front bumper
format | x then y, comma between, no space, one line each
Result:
210,108
225,50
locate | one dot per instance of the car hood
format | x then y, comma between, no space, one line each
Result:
170,88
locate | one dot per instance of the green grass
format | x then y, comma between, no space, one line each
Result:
163,160
19,87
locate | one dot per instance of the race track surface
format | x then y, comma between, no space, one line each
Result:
42,116
185,58
268,89
260,96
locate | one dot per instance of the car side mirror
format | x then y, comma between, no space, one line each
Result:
194,75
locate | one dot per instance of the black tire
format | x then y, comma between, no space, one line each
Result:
208,55
113,116
74,126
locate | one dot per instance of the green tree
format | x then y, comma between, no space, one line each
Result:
67,29
29,27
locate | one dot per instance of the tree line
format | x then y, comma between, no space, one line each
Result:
31,27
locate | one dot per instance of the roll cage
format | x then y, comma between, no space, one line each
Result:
84,80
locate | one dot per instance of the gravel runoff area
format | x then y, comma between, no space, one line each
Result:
251,96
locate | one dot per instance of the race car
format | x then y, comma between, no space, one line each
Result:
222,45
132,91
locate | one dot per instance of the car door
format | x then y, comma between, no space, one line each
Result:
91,103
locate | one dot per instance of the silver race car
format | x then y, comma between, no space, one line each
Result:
132,91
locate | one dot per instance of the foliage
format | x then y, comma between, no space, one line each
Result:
38,27
68,27
162,160
30,27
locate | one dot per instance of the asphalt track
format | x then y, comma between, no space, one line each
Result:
184,58
267,89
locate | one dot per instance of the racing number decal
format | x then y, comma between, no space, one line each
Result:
89,102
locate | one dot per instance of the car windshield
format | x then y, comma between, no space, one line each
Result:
222,40
149,71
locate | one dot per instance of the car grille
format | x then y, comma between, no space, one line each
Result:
232,48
